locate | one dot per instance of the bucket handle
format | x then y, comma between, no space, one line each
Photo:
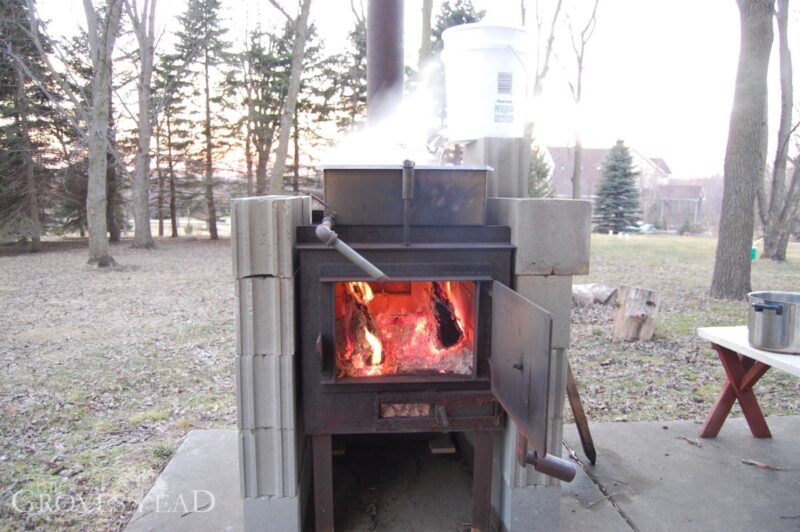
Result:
761,307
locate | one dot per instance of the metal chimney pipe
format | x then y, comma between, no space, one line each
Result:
384,57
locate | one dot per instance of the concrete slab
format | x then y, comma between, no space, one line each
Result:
198,490
584,507
663,478
647,478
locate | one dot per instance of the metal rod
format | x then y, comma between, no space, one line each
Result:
408,195
328,236
580,416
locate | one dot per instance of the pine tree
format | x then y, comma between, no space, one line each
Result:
173,131
453,14
539,183
616,205
25,120
201,37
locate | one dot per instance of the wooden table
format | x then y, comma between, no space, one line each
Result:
744,366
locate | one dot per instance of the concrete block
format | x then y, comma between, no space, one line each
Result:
263,234
554,294
269,462
532,509
551,235
273,514
265,392
265,316
509,157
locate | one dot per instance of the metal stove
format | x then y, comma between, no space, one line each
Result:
407,323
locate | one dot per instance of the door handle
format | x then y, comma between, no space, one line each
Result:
547,464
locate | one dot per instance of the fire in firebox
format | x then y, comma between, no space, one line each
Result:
405,328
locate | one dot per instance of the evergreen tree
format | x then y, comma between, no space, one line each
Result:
26,118
539,183
453,13
173,131
349,74
616,205
201,37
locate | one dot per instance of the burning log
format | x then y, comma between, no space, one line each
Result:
448,329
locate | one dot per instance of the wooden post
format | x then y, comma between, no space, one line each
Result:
635,313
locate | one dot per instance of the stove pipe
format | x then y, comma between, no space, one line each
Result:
384,57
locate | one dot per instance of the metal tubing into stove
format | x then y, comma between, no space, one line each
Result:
328,236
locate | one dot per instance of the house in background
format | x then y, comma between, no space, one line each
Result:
674,205
666,202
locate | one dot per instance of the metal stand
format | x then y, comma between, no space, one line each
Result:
323,482
481,481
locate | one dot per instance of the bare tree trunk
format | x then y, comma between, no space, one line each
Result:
101,45
173,205
579,43
775,218
262,157
296,137
248,155
112,179
543,62
300,30
160,206
745,155
144,27
577,162
425,44
209,177
112,184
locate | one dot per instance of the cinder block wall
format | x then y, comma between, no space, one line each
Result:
274,462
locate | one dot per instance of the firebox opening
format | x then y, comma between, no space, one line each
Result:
405,328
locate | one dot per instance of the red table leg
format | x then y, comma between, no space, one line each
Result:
742,374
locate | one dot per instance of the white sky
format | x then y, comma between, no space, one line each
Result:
658,74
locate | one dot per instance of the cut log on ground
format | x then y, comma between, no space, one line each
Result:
588,294
635,313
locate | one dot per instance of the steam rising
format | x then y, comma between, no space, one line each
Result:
406,132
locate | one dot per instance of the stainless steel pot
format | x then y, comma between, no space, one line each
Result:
772,321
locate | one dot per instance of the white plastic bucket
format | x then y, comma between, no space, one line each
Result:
486,77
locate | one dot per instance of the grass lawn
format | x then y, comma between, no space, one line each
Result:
676,375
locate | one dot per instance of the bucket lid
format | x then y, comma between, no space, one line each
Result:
479,35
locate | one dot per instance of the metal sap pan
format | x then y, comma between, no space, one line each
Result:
772,321
373,195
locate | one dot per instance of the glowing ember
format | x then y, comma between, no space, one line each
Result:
405,328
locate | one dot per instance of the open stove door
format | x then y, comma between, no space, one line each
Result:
520,368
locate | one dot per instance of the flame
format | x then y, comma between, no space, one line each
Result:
361,291
375,344
405,328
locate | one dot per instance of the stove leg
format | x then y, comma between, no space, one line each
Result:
482,481
323,482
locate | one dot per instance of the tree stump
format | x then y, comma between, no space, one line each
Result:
635,313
